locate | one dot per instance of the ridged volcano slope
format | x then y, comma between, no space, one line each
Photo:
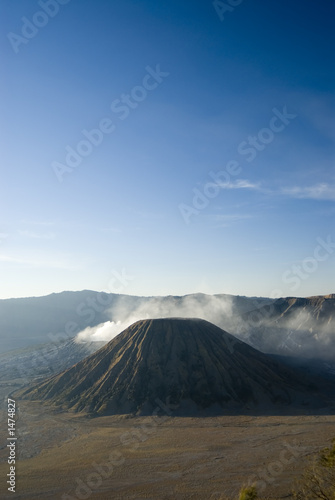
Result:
190,361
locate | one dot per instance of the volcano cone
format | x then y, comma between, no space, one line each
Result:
189,362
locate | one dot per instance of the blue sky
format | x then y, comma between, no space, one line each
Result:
214,170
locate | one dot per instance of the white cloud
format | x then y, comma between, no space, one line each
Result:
241,184
37,263
7,258
38,236
322,191
37,223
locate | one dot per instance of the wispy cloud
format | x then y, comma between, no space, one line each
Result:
146,215
322,191
38,263
37,223
38,236
227,220
7,258
241,184
110,229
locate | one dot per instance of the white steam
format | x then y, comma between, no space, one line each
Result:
303,331
101,333
213,309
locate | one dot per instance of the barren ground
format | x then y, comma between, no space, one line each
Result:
158,458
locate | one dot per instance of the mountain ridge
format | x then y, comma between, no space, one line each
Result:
191,362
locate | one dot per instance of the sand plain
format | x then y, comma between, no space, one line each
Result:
64,455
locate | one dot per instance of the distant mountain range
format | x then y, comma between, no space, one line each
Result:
191,363
35,320
29,321
39,336
289,326
302,327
